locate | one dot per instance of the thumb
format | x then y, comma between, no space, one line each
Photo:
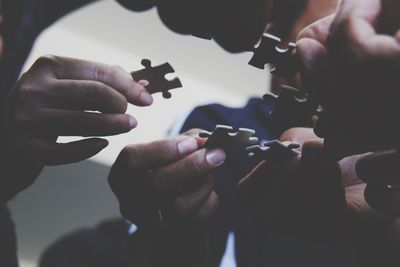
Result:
322,178
312,54
320,197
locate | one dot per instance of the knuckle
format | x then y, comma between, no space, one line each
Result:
137,90
102,73
128,159
197,163
50,61
93,90
126,154
118,69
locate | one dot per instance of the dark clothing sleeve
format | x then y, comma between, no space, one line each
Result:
8,244
24,20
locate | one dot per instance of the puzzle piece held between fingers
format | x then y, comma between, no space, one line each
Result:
291,108
268,51
273,149
227,138
156,77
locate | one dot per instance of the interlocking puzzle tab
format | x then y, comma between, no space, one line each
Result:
291,108
273,149
227,138
268,51
156,77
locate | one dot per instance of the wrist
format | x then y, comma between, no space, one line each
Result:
17,172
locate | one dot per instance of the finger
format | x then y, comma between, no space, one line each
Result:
52,153
195,134
75,123
354,30
380,168
113,76
187,205
320,179
317,31
208,210
260,187
86,95
186,173
312,57
384,199
144,157
298,136
245,184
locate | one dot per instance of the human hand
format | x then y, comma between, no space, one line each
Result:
322,196
350,63
381,172
167,183
63,97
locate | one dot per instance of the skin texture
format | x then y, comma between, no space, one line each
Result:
171,175
165,188
350,63
319,200
361,43
143,191
51,100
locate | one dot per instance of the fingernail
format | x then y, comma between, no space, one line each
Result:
215,157
132,122
146,98
144,82
187,146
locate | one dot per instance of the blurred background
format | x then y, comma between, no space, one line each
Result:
74,196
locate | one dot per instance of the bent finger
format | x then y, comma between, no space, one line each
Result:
187,173
86,95
56,122
143,157
52,153
380,167
113,76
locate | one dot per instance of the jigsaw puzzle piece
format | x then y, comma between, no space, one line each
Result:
156,77
268,51
273,149
225,137
291,108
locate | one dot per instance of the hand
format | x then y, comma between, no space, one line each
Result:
165,188
62,97
313,198
381,172
350,63
167,183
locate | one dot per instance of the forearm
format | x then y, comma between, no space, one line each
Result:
16,174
